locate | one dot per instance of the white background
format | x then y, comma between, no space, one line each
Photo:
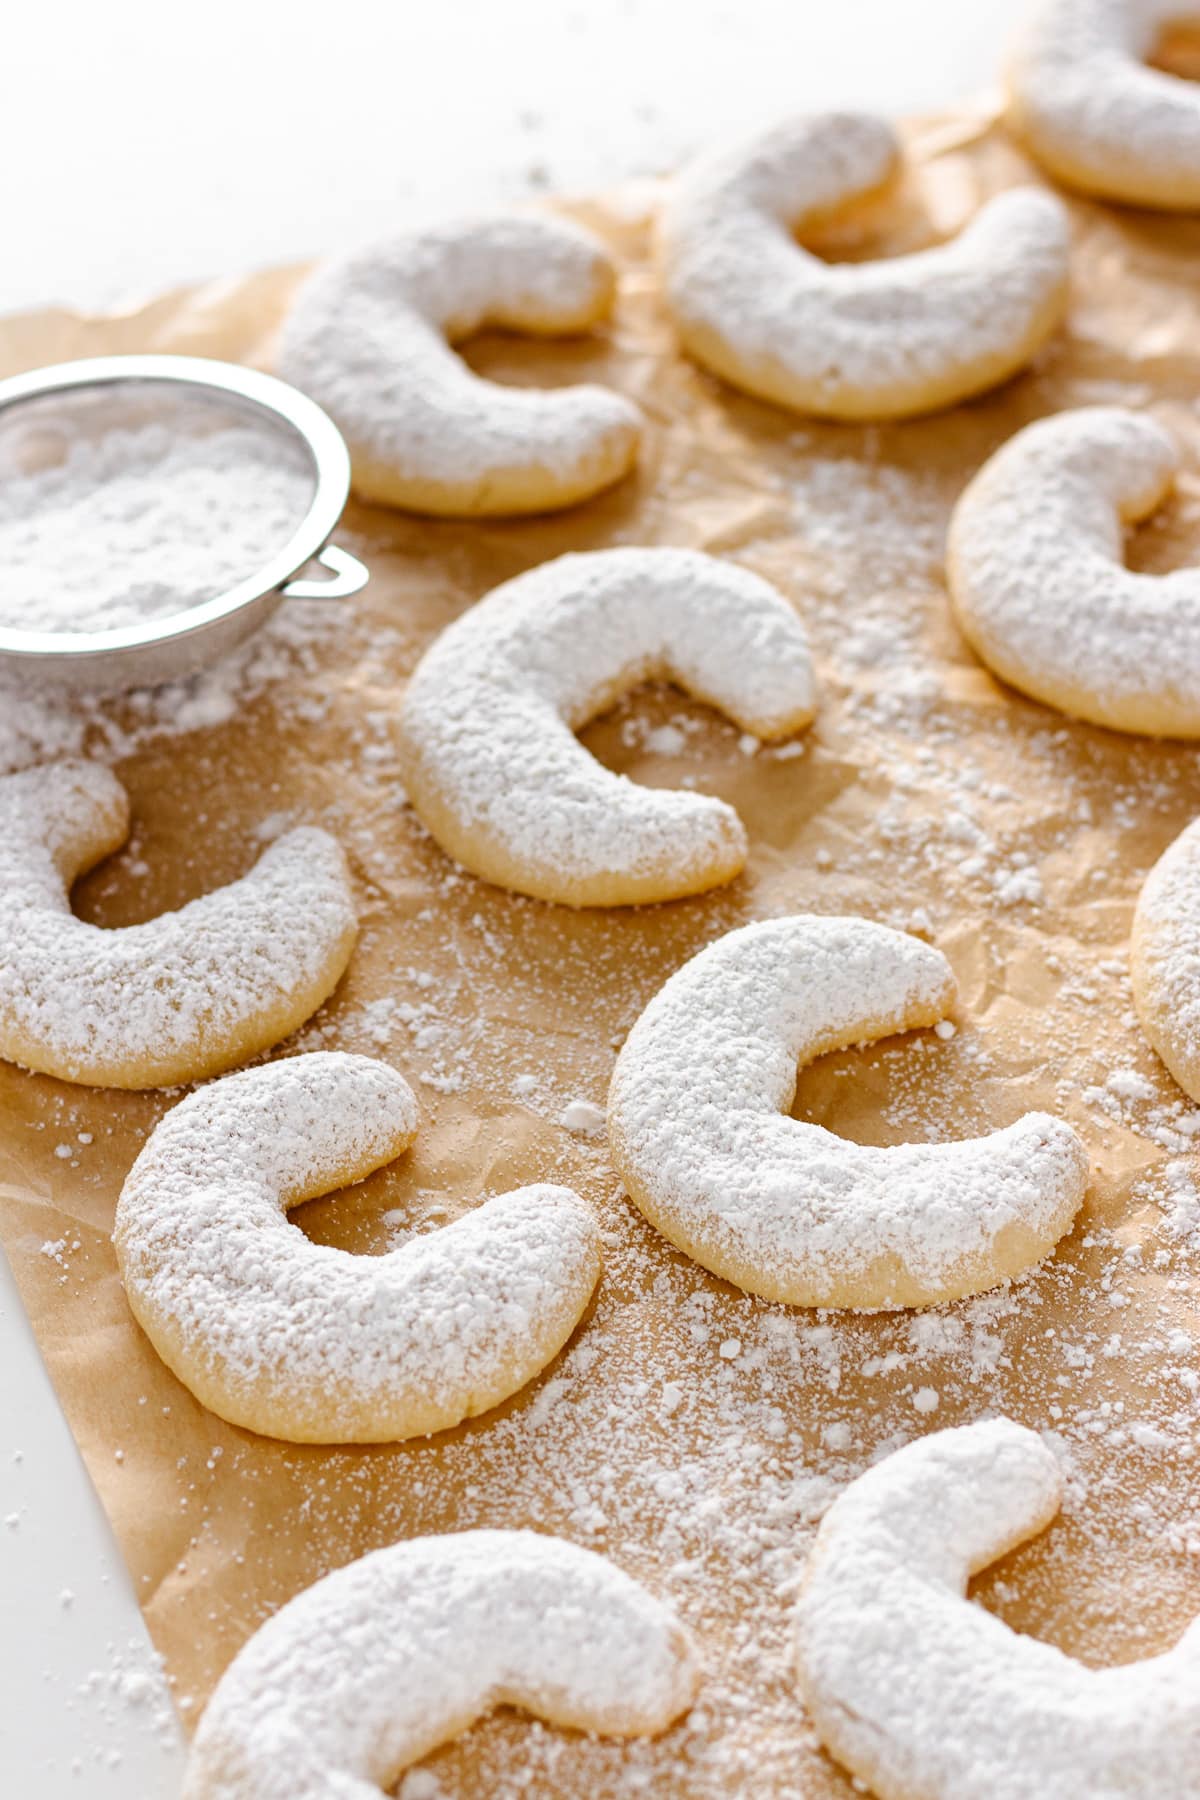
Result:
146,144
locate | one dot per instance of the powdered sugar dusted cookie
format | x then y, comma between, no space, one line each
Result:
370,1669
487,722
302,1341
1166,958
925,1696
370,339
1084,101
181,996
699,1134
1038,582
852,341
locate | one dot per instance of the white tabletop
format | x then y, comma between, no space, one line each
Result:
144,145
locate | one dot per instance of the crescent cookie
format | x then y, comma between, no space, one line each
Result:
923,1695
370,1669
699,1133
874,340
309,1343
370,338
1083,100
486,726
1039,586
1166,958
184,995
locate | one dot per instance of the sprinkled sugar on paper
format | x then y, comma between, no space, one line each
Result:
140,523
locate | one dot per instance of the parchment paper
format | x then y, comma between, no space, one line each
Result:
693,1434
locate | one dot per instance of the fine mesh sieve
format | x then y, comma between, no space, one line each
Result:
165,647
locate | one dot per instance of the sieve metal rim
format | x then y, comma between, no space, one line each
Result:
308,543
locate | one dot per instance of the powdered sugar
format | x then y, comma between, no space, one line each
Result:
487,721
302,1341
143,522
787,1209
179,996
367,338
1039,586
919,1692
872,340
417,1641
1090,109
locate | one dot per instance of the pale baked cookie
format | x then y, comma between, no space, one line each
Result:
923,1695
372,1668
184,995
1085,103
370,338
698,1127
302,1341
873,340
1165,956
486,725
1039,586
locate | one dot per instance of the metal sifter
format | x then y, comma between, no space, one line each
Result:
165,648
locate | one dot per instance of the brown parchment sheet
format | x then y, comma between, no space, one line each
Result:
688,1431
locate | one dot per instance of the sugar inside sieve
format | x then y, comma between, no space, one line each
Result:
66,411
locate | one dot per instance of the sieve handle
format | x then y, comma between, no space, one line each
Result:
349,576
